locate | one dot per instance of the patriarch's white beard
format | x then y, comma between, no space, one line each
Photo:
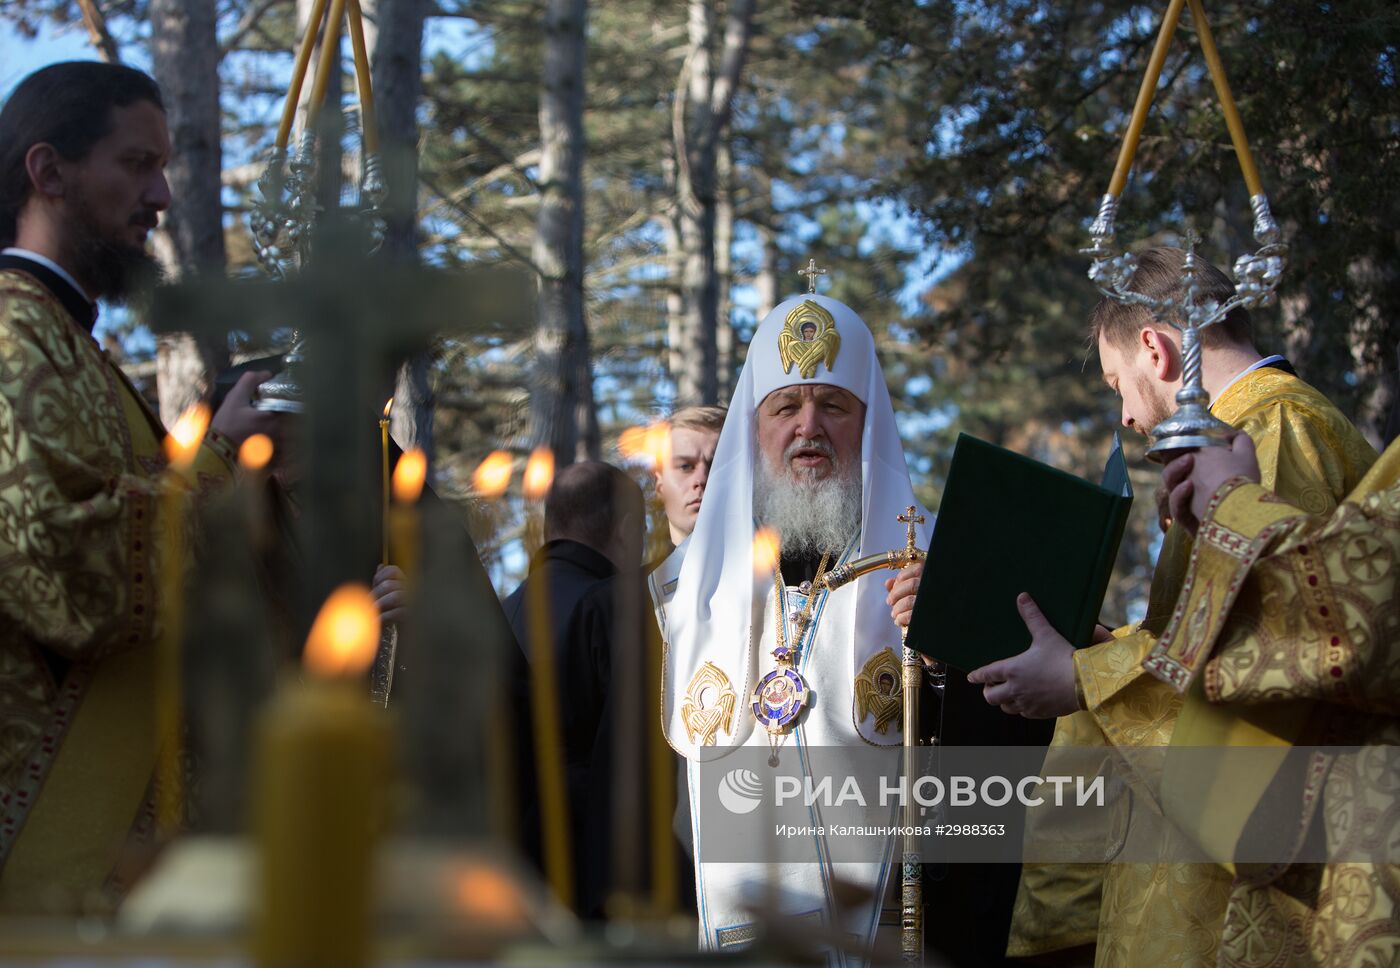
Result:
811,515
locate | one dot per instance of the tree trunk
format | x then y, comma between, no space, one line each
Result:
706,103
675,266
724,267
562,409
185,58
766,284
394,35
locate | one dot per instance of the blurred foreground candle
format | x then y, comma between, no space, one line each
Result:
492,475
405,533
181,445
539,474
404,543
322,773
545,701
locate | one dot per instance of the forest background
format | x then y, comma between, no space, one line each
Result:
665,168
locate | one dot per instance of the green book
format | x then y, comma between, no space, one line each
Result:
1009,524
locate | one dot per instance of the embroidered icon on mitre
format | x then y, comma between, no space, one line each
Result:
808,337
878,690
708,706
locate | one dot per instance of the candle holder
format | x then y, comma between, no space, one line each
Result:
1256,276
1256,282
285,212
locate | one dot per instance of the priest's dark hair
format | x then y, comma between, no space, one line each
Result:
1159,274
590,502
66,105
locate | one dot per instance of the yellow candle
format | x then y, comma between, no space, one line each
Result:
322,774
1227,100
181,445
662,799
409,475
362,77
384,478
1144,98
330,61
544,704
308,43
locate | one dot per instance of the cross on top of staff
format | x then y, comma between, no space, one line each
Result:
811,272
911,519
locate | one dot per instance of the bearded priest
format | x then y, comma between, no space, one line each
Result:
758,660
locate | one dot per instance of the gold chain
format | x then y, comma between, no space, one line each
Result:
803,617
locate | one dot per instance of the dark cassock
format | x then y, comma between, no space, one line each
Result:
578,627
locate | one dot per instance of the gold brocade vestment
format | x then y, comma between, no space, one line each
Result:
80,536
1171,914
1309,626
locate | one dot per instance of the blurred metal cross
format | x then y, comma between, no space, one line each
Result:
360,318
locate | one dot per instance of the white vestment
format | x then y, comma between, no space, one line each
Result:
720,628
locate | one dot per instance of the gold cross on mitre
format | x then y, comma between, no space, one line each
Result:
911,519
811,272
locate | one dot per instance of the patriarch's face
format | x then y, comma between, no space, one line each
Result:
810,430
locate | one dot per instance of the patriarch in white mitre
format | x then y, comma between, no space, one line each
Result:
810,450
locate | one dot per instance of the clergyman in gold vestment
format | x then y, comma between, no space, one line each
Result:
82,152
1293,619
1162,914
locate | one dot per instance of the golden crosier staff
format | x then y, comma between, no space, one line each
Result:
911,893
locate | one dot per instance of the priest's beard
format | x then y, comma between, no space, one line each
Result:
1159,404
116,270
811,515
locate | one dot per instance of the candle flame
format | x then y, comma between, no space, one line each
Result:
492,475
650,445
388,405
632,442
485,893
409,474
766,551
539,473
658,443
255,452
183,440
345,635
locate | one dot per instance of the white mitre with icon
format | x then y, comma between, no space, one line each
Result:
720,616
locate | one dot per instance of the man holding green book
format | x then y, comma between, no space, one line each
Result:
1102,695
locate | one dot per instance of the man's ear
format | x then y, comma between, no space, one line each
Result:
45,169
1161,351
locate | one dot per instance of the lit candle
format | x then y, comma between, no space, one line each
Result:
492,476
384,478
767,551
544,706
254,453
322,773
539,474
181,445
409,475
